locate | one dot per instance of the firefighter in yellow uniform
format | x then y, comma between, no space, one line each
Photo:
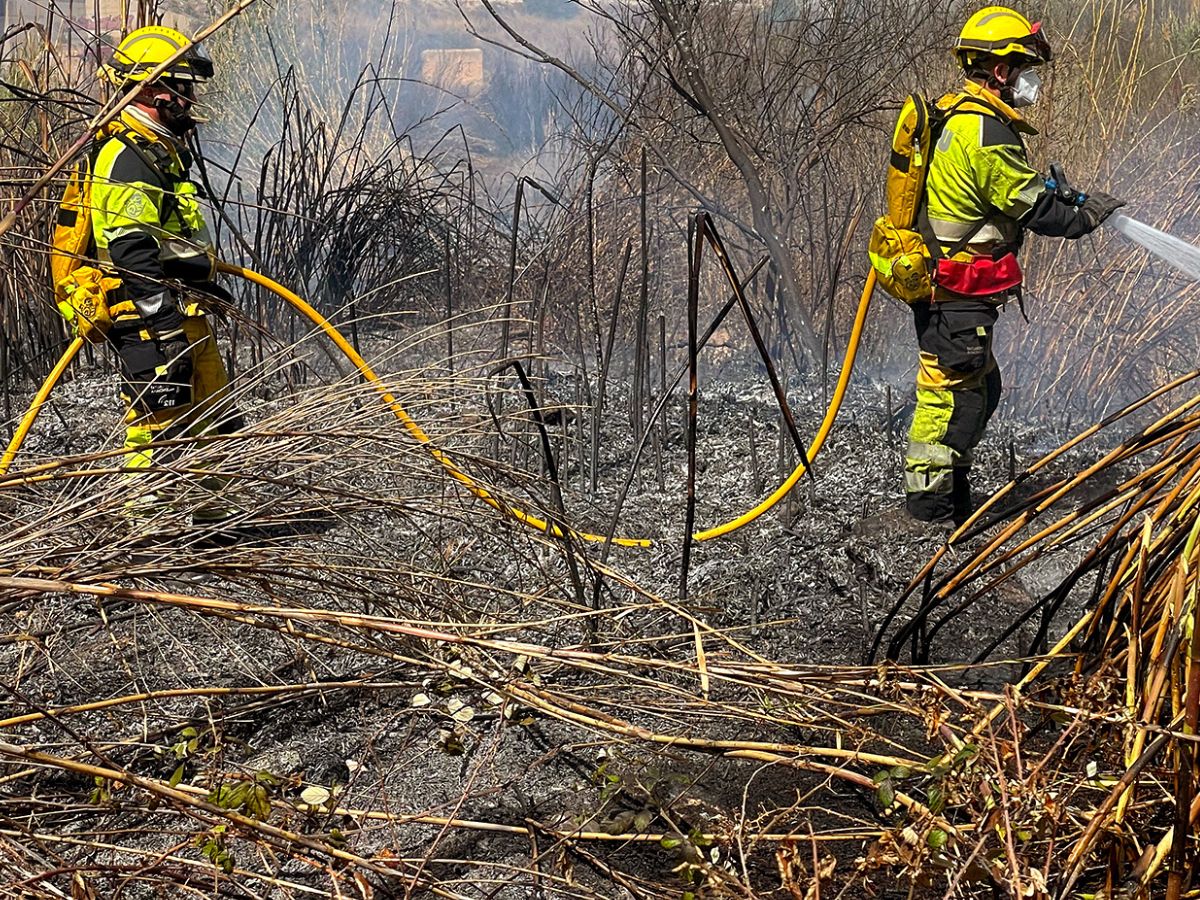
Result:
150,232
981,196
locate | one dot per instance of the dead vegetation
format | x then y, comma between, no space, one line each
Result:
386,688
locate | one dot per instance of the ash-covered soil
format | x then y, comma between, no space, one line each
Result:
342,511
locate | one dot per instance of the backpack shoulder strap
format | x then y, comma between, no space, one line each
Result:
157,159
153,157
924,226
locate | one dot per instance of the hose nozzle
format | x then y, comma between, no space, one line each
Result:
1057,182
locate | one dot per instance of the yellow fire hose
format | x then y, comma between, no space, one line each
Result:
446,461
36,406
835,405
413,428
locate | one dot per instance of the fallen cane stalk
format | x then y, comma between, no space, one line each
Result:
1078,857
270,833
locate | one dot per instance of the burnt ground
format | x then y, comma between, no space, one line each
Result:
343,512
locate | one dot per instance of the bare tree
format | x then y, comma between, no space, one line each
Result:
748,106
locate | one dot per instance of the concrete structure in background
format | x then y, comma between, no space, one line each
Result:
459,71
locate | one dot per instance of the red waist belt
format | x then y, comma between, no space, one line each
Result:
979,277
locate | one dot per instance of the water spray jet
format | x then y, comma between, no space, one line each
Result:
1170,249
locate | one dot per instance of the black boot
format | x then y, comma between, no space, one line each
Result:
960,493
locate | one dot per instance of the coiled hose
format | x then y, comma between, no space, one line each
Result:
447,462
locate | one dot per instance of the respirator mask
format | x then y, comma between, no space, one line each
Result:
178,109
1026,88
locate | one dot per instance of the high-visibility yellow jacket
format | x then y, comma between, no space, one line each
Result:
979,171
146,218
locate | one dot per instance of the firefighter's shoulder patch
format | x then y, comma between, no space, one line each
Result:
135,206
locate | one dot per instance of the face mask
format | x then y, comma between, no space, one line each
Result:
178,109
1026,88
175,116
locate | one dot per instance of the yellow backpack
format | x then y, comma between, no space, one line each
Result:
80,288
902,246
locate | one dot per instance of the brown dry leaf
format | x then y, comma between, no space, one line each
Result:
80,889
791,869
824,873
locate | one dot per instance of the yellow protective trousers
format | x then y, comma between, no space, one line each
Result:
183,395
958,389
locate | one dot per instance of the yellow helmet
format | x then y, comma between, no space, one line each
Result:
1000,31
146,49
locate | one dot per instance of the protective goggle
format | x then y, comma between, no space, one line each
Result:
200,62
1036,43
195,65
183,87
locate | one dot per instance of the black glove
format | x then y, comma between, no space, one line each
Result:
175,352
174,371
157,373
1097,207
1052,215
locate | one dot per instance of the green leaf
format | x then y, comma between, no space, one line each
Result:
641,822
937,839
937,799
670,841
881,776
102,792
258,804
886,794
177,776
901,772
968,751
212,846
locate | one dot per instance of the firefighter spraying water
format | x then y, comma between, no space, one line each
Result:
961,197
